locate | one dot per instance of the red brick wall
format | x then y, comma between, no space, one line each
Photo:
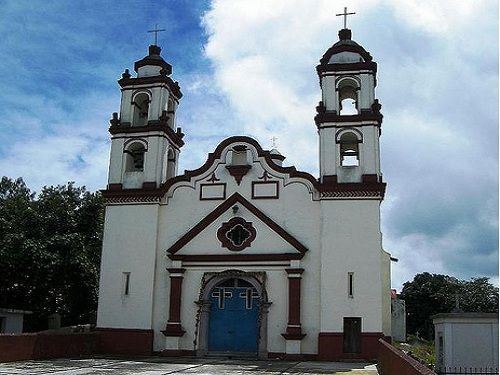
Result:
394,362
41,346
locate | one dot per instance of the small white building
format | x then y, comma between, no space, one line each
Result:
466,340
11,320
244,255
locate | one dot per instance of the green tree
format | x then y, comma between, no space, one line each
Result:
430,294
50,248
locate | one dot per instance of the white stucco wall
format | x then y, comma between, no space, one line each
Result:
137,237
470,340
129,245
11,320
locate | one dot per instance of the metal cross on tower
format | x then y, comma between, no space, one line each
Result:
345,14
274,139
156,30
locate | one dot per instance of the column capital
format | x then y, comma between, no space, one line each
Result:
294,272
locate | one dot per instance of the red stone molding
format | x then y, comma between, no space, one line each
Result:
294,329
174,327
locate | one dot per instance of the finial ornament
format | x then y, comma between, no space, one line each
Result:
274,139
156,30
345,14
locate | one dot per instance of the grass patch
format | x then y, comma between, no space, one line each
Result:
420,349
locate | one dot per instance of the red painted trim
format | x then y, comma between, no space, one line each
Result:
238,171
294,271
173,330
330,346
176,270
329,189
323,117
223,207
266,183
216,198
149,185
125,341
236,257
226,227
175,301
277,157
151,127
346,67
115,187
342,46
125,83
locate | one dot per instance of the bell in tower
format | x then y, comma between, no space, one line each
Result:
145,142
348,116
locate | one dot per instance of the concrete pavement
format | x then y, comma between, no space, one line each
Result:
164,366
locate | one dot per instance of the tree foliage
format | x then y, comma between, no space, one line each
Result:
50,246
430,294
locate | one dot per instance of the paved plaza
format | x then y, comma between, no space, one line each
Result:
164,366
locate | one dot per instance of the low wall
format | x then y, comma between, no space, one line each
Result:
392,361
125,341
24,346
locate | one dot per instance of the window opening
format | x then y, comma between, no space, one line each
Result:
135,157
238,234
348,107
349,150
350,283
141,109
126,283
239,156
3,319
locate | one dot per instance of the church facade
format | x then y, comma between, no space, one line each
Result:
244,255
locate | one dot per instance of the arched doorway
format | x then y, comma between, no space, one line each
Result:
234,317
232,314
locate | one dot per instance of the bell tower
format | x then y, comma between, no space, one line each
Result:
348,116
145,142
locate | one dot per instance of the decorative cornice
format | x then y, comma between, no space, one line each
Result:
155,125
235,257
343,46
330,189
172,85
347,67
332,116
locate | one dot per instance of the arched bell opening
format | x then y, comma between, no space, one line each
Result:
349,142
135,153
348,89
232,316
141,109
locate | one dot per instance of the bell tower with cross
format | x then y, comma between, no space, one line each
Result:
348,116
145,140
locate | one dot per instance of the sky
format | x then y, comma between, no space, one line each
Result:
247,67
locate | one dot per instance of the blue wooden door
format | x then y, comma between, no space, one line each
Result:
234,316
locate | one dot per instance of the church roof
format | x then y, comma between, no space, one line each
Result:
345,44
155,59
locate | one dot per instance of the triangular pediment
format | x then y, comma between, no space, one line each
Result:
270,240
